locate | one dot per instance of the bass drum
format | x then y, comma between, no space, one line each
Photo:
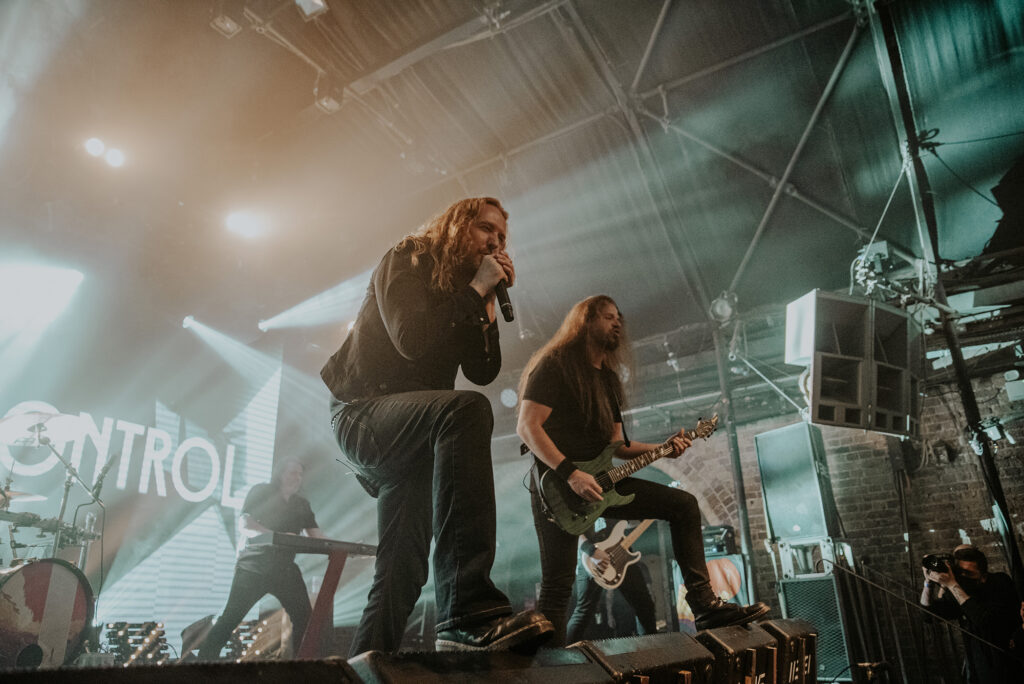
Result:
45,609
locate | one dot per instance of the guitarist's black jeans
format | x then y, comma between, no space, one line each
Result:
653,500
426,456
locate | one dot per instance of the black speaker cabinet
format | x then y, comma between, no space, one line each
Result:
797,489
668,658
548,666
864,359
743,653
336,671
817,599
796,641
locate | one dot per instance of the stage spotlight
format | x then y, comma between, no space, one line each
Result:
509,397
114,157
311,8
95,146
187,322
34,295
246,224
327,97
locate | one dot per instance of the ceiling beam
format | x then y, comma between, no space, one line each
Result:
750,54
833,80
485,25
655,32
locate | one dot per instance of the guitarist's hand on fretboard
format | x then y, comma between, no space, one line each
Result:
585,486
680,442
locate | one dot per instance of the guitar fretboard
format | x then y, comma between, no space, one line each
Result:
641,461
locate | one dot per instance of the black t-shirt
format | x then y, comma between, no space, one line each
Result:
268,508
575,434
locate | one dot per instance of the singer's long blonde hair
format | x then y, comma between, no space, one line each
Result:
446,238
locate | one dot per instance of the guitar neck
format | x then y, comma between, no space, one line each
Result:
642,461
628,540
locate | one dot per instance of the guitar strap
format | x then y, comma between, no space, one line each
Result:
535,479
535,471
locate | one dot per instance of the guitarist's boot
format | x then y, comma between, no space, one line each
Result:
718,613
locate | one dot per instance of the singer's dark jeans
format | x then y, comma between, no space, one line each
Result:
283,582
653,500
589,594
428,455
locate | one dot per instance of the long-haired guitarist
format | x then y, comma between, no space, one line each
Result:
571,397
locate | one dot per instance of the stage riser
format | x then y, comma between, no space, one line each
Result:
779,652
284,672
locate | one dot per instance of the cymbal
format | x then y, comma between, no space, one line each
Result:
26,429
22,497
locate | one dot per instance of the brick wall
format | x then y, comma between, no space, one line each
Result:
946,498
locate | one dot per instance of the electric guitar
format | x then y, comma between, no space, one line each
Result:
573,513
609,573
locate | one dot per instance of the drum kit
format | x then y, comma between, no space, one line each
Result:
46,604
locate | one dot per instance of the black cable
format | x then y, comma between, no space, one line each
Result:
957,176
833,680
991,137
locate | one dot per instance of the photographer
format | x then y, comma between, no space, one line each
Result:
960,587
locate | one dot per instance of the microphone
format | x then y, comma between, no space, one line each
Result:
103,473
501,292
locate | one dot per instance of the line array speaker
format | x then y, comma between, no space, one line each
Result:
865,361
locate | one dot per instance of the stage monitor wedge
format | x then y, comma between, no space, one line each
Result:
743,653
655,658
797,642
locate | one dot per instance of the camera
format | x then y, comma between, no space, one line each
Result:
936,562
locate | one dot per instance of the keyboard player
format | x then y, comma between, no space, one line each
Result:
264,569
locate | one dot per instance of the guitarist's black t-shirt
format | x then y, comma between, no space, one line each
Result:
574,433
270,509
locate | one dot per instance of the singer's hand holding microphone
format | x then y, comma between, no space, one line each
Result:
493,278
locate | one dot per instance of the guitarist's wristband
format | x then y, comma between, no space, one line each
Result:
566,468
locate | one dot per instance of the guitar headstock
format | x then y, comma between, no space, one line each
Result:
706,427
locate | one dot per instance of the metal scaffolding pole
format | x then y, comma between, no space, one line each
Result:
655,183
890,59
844,58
